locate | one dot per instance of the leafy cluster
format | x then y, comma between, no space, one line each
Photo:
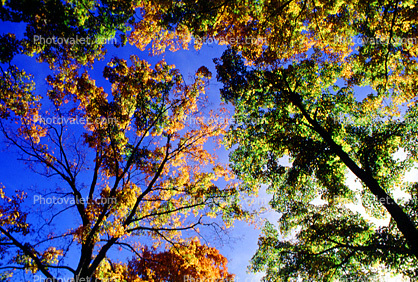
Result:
329,84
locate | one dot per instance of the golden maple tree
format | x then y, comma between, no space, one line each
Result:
131,163
151,174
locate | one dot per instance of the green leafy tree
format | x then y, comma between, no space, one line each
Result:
298,95
301,112
59,31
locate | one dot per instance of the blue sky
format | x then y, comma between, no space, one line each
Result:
242,243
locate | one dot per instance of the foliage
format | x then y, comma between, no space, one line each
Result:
175,24
296,72
189,260
300,99
302,111
129,164
59,31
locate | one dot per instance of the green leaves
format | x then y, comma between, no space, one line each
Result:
297,73
73,31
331,243
303,111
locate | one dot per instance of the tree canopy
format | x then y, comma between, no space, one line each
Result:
305,103
324,134
130,169
329,84
146,165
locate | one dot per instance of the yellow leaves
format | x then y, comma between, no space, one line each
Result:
346,72
123,201
80,235
50,256
31,131
116,230
179,160
149,29
31,266
294,8
372,103
2,195
115,272
223,172
11,215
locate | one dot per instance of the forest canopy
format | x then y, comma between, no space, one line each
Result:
330,86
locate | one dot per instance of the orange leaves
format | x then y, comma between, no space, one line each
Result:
116,230
223,173
51,255
150,30
63,84
33,132
12,217
186,260
203,72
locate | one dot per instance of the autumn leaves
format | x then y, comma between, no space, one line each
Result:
330,105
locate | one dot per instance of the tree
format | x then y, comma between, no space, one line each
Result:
151,179
184,261
69,30
190,261
60,34
175,24
130,164
300,100
308,110
293,74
